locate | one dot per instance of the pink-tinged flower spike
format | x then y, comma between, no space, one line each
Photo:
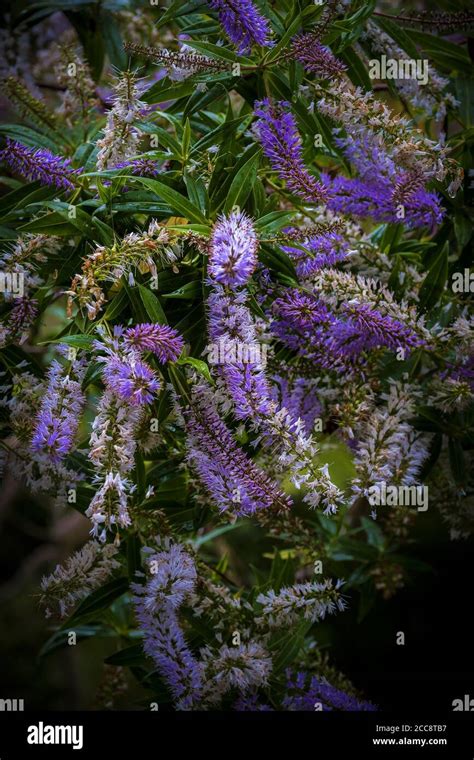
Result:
277,132
233,255
316,57
163,341
243,23
39,164
20,320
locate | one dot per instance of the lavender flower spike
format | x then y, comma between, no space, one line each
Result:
243,23
277,131
231,478
131,379
39,164
315,57
320,691
58,418
157,603
163,341
233,250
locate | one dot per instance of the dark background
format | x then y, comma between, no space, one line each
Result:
434,610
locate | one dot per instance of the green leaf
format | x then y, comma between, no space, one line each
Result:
129,656
178,203
98,601
28,137
198,365
435,281
446,55
375,536
465,95
457,461
242,183
76,341
60,638
355,68
152,306
201,540
462,229
285,646
50,224
177,9
162,91
218,52
186,141
113,41
273,221
116,306
188,292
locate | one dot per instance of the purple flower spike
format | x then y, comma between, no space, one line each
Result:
140,167
232,479
382,191
380,330
59,414
39,164
23,314
277,131
319,691
131,379
243,23
322,250
231,327
233,250
315,57
157,605
165,342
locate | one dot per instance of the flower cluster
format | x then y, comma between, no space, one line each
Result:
243,23
240,328
83,572
39,164
121,134
319,694
227,473
144,252
60,411
313,600
276,130
173,577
